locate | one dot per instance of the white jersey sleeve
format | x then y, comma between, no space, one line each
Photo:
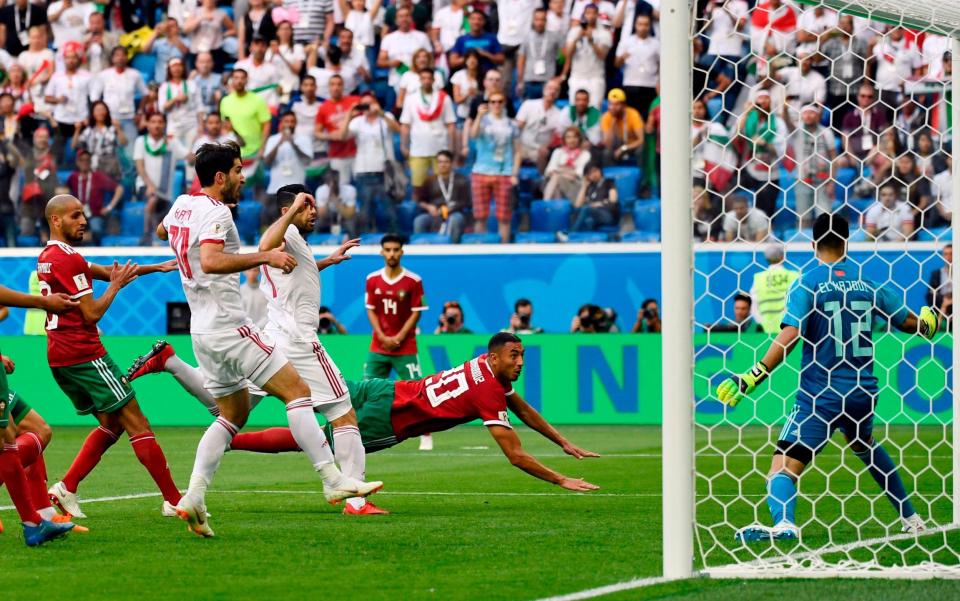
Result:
214,299
293,299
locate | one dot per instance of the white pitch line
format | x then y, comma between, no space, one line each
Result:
609,589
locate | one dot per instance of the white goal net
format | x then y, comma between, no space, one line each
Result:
801,110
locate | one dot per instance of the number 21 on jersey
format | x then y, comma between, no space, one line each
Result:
446,385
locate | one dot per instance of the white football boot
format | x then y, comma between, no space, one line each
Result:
194,513
65,500
347,487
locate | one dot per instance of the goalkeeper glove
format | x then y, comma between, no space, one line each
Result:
928,322
734,388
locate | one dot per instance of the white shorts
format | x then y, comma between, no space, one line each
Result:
327,386
230,360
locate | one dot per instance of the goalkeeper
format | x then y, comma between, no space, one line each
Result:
832,307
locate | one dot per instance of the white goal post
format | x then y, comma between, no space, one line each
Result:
680,555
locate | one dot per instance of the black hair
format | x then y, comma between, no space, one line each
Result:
334,54
286,194
387,238
445,153
743,297
501,339
244,71
285,113
831,231
312,78
582,91
521,302
213,159
647,302
425,70
108,121
592,165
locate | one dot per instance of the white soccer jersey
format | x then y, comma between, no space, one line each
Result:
293,299
214,299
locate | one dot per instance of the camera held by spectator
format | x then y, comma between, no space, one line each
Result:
520,321
593,319
328,323
451,320
648,318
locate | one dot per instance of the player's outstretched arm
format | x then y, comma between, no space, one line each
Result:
732,390
93,309
273,237
532,418
510,445
926,324
338,256
102,272
214,260
52,303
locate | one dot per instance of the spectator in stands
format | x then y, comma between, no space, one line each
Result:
521,321
802,85
254,301
248,115
622,128
287,155
564,173
98,42
593,319
428,125
10,160
913,186
447,25
814,150
16,86
38,62
486,45
331,67
929,159
118,87
331,115
940,285
262,77
209,84
359,21
68,19
213,133
256,21
155,155
537,57
306,110
91,187
863,125
847,55
773,23
354,62
941,189
596,204
207,28
889,218
16,19
742,321
515,19
288,57
586,50
451,321
586,117
497,166
744,223
40,182
765,142
102,140
894,59
165,43
648,318
466,82
316,20
328,324
639,56
410,81
149,106
714,160
336,206
398,47
540,123
69,92
444,198
180,102
371,128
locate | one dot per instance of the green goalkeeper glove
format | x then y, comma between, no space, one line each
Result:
928,322
734,388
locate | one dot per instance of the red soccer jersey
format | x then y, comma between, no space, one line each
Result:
331,115
393,302
70,339
449,398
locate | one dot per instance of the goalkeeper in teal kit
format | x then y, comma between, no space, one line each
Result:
832,308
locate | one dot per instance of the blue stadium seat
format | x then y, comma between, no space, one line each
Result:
934,234
588,237
145,63
406,211
858,235
640,236
62,175
627,180
430,239
371,239
484,238
318,239
120,240
536,237
646,215
28,240
550,215
131,219
248,220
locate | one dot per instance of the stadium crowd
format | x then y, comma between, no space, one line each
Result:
456,121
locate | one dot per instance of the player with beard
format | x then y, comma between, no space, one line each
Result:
231,351
81,366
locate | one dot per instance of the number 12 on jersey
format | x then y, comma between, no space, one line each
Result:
861,311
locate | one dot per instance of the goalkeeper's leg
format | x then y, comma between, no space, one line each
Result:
884,472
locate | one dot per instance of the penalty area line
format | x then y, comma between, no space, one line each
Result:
609,589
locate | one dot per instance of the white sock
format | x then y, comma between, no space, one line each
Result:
351,456
306,431
47,513
213,444
192,381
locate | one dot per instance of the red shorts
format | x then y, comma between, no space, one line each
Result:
483,188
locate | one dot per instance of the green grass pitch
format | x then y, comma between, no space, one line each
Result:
465,525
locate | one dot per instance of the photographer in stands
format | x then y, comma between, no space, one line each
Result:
593,319
451,320
522,318
648,318
328,324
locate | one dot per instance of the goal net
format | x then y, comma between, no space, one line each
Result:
802,109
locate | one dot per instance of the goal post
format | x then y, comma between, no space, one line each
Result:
715,458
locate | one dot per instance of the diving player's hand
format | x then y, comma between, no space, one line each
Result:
577,485
928,322
734,388
574,451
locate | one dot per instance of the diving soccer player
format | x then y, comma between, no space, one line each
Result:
832,308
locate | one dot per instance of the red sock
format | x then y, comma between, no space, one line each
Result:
29,446
151,456
271,440
12,473
93,448
37,483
